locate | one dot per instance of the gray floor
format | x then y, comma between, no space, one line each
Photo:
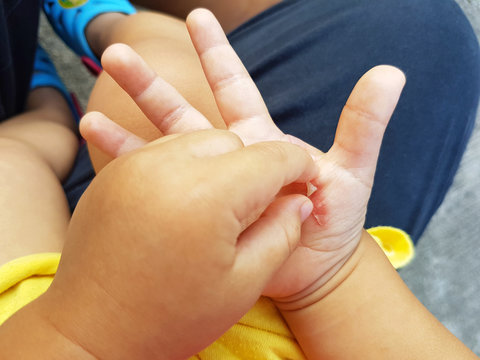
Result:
445,275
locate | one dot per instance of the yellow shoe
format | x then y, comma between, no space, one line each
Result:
396,243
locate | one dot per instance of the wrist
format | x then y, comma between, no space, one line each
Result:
85,318
330,281
89,317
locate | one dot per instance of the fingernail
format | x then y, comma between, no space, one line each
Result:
305,210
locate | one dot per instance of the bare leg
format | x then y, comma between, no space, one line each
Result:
37,148
48,127
230,13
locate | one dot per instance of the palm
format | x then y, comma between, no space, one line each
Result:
346,172
329,236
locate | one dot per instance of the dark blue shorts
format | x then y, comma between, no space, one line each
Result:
18,39
306,56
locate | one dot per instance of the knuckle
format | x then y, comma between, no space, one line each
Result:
276,151
230,80
365,114
229,136
174,116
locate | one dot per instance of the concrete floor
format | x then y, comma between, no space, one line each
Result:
445,275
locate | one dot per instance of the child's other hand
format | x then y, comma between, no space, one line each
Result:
172,243
346,171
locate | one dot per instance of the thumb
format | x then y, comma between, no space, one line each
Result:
265,245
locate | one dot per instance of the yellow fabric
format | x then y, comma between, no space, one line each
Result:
68,4
23,280
395,243
261,334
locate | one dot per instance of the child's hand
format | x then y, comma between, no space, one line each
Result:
173,243
346,171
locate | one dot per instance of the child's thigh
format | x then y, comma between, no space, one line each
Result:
164,44
230,13
33,209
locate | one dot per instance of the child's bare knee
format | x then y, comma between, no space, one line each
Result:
146,25
12,149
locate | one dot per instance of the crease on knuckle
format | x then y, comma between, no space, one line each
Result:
276,151
174,116
155,80
285,232
229,80
232,138
211,49
369,116
290,233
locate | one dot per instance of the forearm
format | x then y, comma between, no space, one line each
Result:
29,335
367,312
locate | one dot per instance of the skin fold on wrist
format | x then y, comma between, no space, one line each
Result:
334,278
29,335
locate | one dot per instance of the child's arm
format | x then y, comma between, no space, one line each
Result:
367,312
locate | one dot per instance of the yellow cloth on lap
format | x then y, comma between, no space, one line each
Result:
261,334
25,279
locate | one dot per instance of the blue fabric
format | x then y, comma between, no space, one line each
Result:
45,75
70,23
80,177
